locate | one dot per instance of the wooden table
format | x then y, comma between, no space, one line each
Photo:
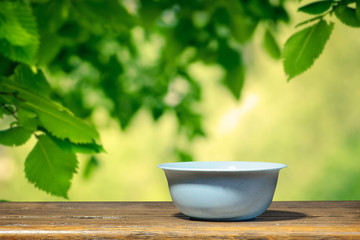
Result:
151,220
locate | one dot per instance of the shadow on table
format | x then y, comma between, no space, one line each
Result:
277,215
267,216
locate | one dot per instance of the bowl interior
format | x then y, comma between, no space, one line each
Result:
222,166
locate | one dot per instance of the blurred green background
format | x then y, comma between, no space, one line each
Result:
310,123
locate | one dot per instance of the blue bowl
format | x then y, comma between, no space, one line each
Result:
225,191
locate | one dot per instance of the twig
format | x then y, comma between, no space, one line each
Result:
10,111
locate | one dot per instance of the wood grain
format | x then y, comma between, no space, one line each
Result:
161,220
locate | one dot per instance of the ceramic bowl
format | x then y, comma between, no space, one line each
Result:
223,190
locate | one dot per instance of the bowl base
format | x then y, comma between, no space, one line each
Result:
222,219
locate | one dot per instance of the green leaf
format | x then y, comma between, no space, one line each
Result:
234,80
50,45
14,136
316,7
302,48
347,15
184,156
51,15
243,28
27,119
231,60
60,122
189,121
125,104
56,119
228,57
90,167
19,39
103,14
271,45
7,66
309,21
86,148
357,9
149,12
35,82
50,168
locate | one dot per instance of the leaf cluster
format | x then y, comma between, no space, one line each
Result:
96,48
60,135
306,45
213,32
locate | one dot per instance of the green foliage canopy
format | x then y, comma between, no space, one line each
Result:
97,47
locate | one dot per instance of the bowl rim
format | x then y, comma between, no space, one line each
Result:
222,166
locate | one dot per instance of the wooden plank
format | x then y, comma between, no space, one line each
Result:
157,220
